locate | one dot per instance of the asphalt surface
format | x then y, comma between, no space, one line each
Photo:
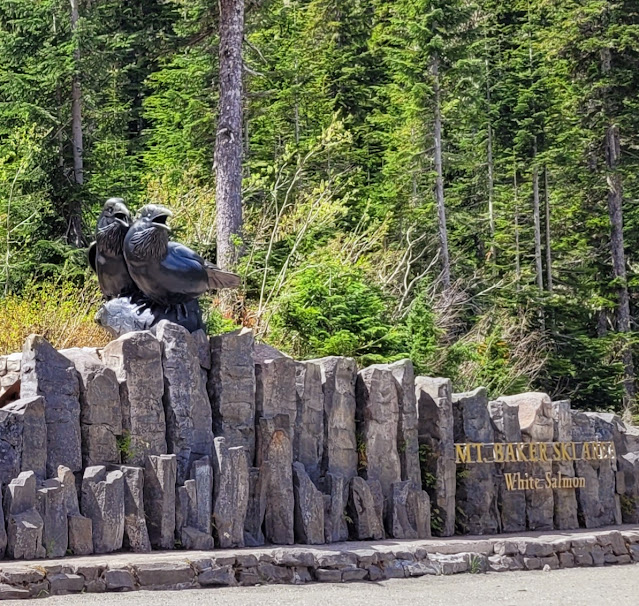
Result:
617,585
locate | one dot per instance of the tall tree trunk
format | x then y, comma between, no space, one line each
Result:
491,173
615,200
549,285
517,254
228,142
537,221
75,219
439,181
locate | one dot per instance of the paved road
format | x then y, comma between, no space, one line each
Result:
617,585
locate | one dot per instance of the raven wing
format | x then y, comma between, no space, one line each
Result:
218,278
184,270
92,254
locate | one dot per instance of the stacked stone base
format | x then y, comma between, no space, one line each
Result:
342,562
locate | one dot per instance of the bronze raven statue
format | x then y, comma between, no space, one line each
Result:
168,273
106,255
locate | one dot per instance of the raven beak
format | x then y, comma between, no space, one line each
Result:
122,214
160,218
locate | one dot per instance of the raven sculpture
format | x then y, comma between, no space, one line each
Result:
168,273
106,255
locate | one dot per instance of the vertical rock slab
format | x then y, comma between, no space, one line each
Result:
253,535
160,472
136,359
47,373
436,440
365,520
537,425
80,527
24,523
565,499
407,432
231,389
309,508
10,374
103,502
231,493
3,533
23,439
136,535
100,410
189,422
377,423
512,503
308,440
275,459
604,431
477,486
629,499
52,509
340,443
275,391
335,501
194,506
409,512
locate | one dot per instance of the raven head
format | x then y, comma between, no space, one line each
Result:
114,211
155,215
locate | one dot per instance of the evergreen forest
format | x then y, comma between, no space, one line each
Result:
453,181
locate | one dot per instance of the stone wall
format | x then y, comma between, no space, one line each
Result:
166,439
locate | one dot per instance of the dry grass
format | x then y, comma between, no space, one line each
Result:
62,313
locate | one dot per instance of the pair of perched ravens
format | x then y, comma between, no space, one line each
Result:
133,257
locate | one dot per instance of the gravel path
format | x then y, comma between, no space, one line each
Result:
617,585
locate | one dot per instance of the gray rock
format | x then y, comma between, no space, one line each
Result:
309,508
136,535
53,511
24,523
597,503
103,502
80,535
47,373
218,575
163,574
565,501
10,377
136,359
419,512
67,482
189,423
203,348
477,487
231,494
275,459
435,431
231,389
629,467
366,520
100,410
62,583
407,431
202,473
159,499
7,592
398,521
335,501
119,580
308,441
3,532
512,503
377,424
340,443
253,535
192,538
537,425
23,438
275,391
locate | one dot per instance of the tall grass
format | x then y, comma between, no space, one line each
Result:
62,312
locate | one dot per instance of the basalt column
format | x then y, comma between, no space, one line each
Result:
511,503
437,450
565,500
477,483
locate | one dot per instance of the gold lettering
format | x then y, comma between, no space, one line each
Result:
510,480
585,452
510,453
543,451
521,455
565,455
462,453
498,453
478,451
532,452
556,451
